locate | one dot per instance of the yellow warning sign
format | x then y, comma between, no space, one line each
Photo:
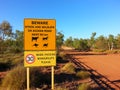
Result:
39,58
39,34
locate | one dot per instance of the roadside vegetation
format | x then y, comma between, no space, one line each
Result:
68,68
84,86
13,72
82,74
101,43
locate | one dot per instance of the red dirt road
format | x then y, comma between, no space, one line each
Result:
106,65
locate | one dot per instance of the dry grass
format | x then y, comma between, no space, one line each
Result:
68,68
84,86
15,79
82,74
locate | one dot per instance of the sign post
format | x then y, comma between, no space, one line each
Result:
40,45
52,76
28,79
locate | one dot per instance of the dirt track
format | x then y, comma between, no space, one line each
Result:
107,66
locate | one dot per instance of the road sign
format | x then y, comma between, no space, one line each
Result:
39,34
39,58
30,58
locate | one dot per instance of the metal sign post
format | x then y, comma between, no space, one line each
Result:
28,79
52,77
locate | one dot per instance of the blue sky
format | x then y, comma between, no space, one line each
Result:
76,18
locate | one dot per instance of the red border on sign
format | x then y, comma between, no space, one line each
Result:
27,61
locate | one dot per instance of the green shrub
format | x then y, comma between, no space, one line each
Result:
82,74
69,68
15,79
15,50
84,86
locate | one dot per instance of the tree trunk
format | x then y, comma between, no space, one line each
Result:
109,46
112,45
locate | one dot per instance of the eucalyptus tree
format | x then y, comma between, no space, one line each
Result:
111,42
5,30
59,41
92,40
84,45
76,43
101,43
118,41
69,42
18,41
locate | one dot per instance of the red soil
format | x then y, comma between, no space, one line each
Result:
107,65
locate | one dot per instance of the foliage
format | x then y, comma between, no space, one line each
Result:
60,39
68,68
69,42
13,45
82,74
76,43
101,43
92,40
19,40
15,50
111,42
84,86
84,45
79,44
5,30
118,41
